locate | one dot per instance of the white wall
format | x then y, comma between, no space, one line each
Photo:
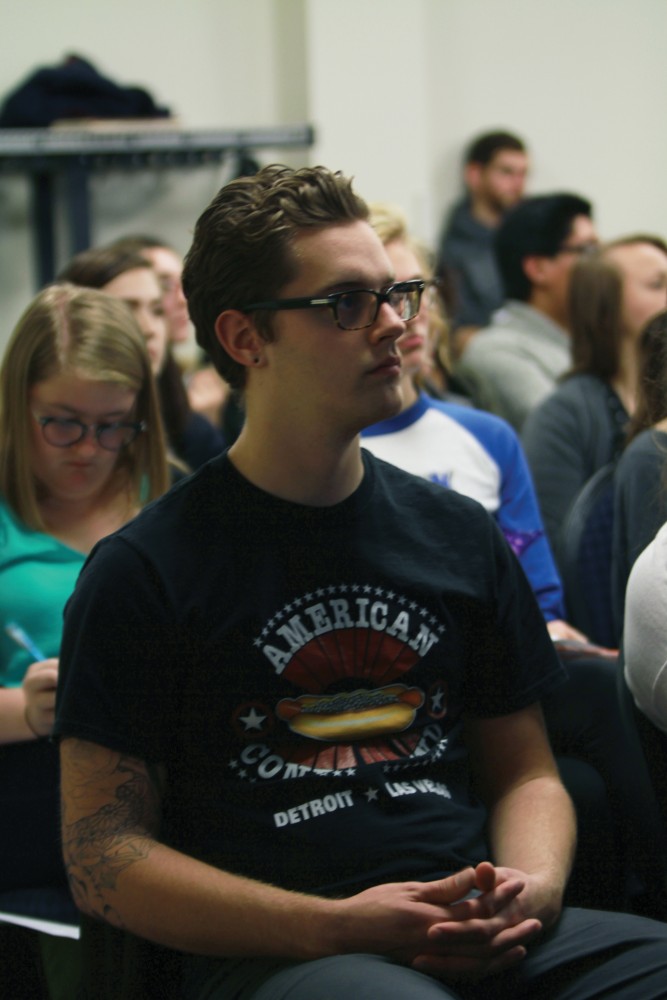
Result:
397,98
368,83
394,88
212,62
582,80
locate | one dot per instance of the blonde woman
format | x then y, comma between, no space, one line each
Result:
81,449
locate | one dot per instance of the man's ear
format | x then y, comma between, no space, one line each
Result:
472,173
536,268
238,335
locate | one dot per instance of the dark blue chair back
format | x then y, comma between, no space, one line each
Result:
587,555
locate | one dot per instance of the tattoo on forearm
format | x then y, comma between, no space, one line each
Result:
99,846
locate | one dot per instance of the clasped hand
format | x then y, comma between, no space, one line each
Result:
39,689
442,930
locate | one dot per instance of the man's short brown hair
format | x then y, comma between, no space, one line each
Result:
242,246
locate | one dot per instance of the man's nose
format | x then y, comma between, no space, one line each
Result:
388,323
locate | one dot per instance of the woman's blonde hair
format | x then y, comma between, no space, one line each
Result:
89,333
391,224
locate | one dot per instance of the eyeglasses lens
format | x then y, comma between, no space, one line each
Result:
359,308
115,437
112,437
62,433
356,309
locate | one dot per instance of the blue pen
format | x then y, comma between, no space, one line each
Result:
21,638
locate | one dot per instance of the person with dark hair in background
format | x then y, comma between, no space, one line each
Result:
331,775
512,364
494,175
128,275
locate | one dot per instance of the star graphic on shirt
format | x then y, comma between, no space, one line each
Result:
371,794
253,720
436,699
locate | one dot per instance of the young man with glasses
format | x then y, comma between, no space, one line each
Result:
515,362
316,642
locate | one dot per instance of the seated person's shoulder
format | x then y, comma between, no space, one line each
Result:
491,345
483,425
555,405
647,450
398,488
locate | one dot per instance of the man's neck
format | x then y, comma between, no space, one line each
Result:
485,213
542,302
314,472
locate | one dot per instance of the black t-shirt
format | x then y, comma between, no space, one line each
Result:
303,673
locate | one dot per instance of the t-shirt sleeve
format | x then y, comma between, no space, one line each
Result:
512,662
518,512
121,656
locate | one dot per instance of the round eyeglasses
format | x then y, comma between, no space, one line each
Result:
63,432
358,308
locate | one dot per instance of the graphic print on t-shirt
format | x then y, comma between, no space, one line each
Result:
353,651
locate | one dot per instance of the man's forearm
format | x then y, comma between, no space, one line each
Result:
181,903
533,830
120,872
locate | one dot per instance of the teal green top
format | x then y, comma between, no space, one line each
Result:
37,575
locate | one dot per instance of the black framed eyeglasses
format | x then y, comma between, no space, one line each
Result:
579,249
358,308
63,432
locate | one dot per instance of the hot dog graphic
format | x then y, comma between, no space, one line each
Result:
352,715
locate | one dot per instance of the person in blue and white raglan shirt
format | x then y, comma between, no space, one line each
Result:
464,449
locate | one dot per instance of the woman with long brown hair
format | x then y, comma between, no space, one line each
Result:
128,275
581,427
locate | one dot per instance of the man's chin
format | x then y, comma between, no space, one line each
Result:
391,405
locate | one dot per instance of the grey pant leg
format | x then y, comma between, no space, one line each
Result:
589,955
341,977
592,954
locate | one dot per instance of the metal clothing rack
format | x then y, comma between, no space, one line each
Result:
53,156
